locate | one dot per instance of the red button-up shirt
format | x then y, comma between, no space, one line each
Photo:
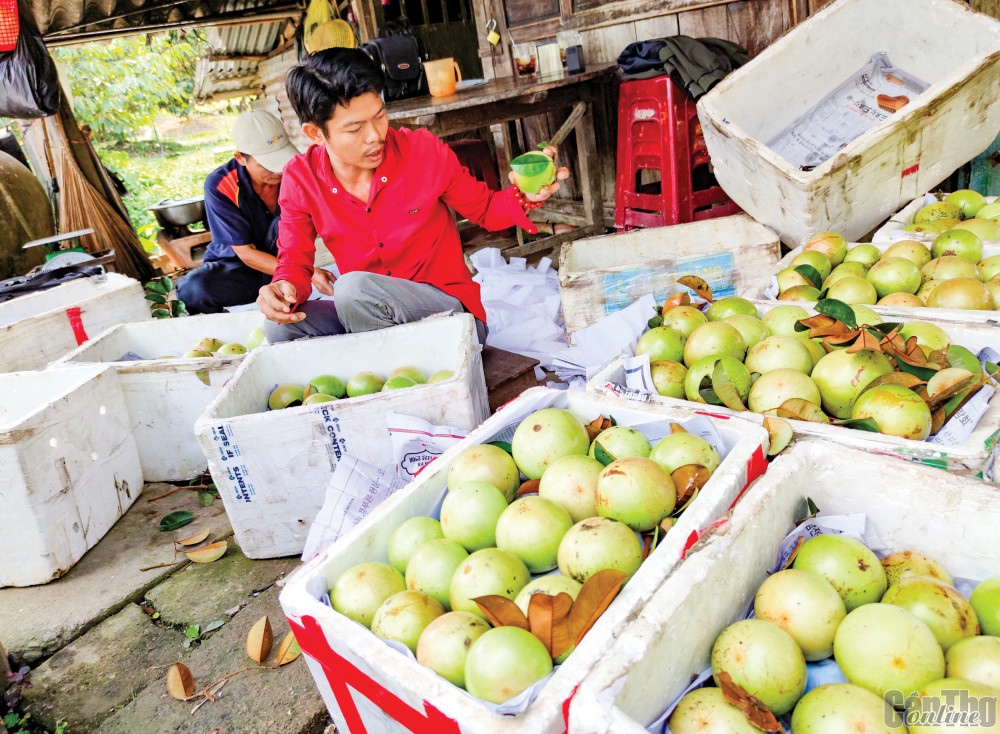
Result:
404,229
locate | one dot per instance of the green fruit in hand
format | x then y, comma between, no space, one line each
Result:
287,395
532,171
364,383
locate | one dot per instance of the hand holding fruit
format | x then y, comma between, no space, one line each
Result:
276,301
546,190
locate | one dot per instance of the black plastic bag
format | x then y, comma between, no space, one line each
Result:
29,85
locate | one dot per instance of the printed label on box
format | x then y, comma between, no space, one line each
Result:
237,476
620,289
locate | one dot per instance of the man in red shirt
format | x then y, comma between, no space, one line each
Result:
379,198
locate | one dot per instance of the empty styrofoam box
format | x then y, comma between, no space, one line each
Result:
949,518
913,151
975,455
601,275
38,328
272,467
368,686
69,465
166,394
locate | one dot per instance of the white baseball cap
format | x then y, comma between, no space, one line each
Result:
262,135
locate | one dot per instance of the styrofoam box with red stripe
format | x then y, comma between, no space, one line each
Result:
949,518
69,468
914,150
41,327
165,395
272,467
370,687
892,231
976,455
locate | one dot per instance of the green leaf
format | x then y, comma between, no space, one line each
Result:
723,387
203,376
924,373
177,308
176,519
193,632
884,329
811,273
807,508
502,445
156,298
838,310
205,498
602,455
212,626
862,424
654,322
154,286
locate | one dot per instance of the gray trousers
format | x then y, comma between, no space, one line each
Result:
365,301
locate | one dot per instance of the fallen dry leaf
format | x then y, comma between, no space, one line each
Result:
779,433
680,298
180,682
288,650
529,487
756,712
677,428
698,285
688,479
260,639
795,551
208,553
548,618
195,539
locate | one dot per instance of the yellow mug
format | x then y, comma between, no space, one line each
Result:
442,76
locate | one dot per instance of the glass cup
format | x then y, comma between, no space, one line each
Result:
565,39
525,59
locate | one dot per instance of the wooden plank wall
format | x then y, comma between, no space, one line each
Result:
754,24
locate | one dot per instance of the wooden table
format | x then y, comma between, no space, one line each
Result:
502,101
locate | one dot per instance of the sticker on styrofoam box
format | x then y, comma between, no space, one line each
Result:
351,668
949,518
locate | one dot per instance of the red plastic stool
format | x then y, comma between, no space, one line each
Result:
658,130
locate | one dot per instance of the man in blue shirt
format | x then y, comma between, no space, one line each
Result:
241,206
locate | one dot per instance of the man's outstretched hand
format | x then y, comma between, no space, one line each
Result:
546,191
276,301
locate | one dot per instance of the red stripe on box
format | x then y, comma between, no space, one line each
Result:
697,535
76,322
565,709
912,169
343,676
755,469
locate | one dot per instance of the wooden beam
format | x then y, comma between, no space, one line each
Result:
546,243
232,94
218,58
222,20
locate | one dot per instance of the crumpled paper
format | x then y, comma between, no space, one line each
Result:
522,303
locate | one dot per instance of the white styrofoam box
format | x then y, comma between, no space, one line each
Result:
272,467
891,231
872,176
40,327
69,465
758,291
949,518
166,395
973,456
601,275
344,658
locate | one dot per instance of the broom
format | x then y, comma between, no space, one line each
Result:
82,207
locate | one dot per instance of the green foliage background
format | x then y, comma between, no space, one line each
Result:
121,86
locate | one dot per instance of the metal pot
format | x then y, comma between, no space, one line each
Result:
179,212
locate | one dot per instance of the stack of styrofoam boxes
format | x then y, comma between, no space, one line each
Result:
38,328
892,231
951,519
975,455
895,161
601,275
166,394
766,289
368,686
272,467
69,466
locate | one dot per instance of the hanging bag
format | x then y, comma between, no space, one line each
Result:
399,57
29,85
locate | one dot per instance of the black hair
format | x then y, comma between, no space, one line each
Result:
329,78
